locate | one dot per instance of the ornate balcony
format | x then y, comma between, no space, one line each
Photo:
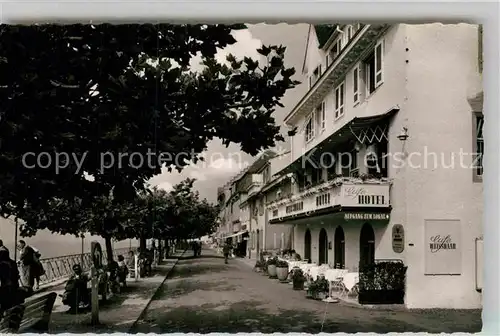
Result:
342,193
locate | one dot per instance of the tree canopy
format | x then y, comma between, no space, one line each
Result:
117,91
155,213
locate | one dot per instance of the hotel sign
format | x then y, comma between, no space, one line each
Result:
443,250
365,216
365,195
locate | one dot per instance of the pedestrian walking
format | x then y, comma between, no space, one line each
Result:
199,248
27,261
226,249
38,269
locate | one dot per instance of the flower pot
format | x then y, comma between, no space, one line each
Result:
271,270
316,295
282,273
298,284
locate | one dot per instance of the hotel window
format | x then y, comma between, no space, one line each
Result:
355,28
479,146
316,75
355,84
321,117
349,33
261,207
336,49
353,167
373,65
310,128
339,101
265,174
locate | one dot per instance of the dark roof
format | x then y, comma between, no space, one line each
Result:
323,32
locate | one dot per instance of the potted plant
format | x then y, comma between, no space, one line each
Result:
318,289
382,283
282,270
259,266
271,267
298,278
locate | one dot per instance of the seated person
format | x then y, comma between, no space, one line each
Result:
76,294
10,293
130,260
122,269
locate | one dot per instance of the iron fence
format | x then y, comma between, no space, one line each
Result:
62,267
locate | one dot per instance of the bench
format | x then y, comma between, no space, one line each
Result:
31,315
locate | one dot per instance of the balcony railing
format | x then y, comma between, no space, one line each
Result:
58,268
342,191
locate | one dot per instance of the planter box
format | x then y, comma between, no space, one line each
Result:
298,285
381,297
271,270
282,273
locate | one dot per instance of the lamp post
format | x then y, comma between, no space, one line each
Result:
15,241
83,251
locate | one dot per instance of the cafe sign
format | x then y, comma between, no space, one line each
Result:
365,195
443,249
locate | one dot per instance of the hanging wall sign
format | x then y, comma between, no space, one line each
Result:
398,238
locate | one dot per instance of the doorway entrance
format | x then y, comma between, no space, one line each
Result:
366,246
307,245
339,248
323,247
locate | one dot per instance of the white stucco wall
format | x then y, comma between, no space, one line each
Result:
442,64
429,71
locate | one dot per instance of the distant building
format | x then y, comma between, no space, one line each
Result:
370,173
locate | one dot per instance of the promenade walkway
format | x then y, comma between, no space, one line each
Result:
122,311
205,295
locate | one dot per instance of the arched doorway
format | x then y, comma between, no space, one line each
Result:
323,247
307,245
366,246
339,248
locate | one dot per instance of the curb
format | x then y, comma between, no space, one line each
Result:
141,315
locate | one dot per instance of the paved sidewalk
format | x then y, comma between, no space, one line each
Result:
205,295
122,311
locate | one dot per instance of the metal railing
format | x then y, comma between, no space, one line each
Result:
58,268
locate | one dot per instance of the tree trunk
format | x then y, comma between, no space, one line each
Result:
109,249
142,243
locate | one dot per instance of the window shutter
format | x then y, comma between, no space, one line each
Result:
355,84
378,64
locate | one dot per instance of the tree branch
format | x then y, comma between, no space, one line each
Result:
64,86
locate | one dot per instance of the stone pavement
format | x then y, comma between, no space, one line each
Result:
121,312
204,295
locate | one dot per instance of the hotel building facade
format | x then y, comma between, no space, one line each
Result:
386,163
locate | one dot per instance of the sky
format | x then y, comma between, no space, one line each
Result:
221,163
